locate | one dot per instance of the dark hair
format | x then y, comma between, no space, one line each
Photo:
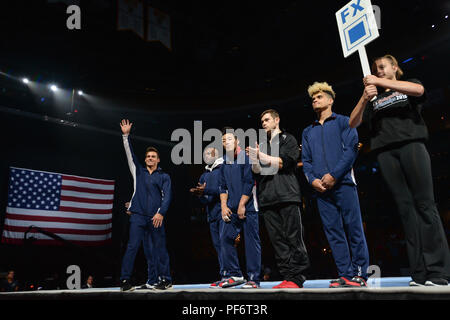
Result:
330,94
272,112
225,129
152,149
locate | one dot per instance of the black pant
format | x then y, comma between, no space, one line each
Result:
407,172
284,227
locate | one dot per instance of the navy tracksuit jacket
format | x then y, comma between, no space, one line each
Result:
237,180
211,200
152,194
332,148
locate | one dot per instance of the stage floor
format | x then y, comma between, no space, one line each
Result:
393,288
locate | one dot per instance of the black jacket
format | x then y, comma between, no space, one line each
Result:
282,186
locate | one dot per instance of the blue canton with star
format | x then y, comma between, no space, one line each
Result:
30,189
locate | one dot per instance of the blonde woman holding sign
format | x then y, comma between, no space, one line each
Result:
398,133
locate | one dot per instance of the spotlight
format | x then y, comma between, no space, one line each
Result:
80,92
54,88
25,80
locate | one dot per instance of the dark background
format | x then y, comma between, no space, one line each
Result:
229,61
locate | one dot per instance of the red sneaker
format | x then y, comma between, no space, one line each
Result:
216,284
287,285
341,282
279,285
357,282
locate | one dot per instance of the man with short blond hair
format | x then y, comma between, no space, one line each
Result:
329,149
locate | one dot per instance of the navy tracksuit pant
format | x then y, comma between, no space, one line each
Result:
142,229
341,217
214,228
230,259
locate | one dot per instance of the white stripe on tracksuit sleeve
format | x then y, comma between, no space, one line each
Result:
131,164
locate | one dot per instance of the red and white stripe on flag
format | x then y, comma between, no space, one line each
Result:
77,209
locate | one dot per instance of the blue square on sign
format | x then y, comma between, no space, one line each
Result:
357,32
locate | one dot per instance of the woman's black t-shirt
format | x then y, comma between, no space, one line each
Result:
394,117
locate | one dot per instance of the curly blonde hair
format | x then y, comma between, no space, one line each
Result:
321,87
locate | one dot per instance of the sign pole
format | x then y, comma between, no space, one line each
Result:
365,64
364,61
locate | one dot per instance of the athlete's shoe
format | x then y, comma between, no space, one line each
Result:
232,282
436,282
163,284
413,283
287,285
147,286
357,282
217,284
341,282
251,285
278,286
125,285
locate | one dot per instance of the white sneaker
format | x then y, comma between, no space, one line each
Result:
436,282
250,285
146,286
412,283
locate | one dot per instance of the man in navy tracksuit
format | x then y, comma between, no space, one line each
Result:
209,195
148,206
239,210
152,277
329,149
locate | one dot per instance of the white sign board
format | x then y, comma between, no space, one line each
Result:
357,25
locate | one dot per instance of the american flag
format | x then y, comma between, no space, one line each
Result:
77,209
